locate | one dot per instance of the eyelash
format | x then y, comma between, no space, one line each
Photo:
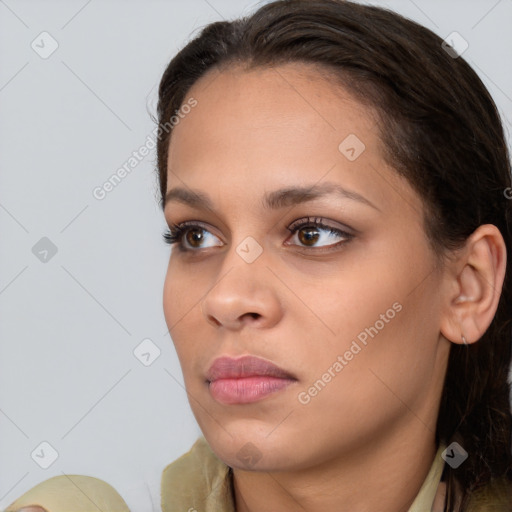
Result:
175,234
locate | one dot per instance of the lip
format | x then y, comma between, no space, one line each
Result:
245,379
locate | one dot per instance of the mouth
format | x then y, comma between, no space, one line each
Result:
245,380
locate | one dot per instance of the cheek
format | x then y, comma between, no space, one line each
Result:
388,354
361,304
178,305
181,295
380,319
169,297
361,382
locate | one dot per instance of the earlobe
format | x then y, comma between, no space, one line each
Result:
476,286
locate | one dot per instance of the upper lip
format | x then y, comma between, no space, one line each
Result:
246,366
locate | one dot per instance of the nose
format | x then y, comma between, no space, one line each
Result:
245,294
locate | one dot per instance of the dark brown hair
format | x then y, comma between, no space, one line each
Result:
440,130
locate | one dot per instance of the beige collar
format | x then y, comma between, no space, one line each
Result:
431,492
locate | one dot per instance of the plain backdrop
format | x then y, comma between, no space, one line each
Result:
81,278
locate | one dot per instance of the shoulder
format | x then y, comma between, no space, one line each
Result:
198,479
79,493
496,496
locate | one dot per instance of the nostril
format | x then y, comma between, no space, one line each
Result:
213,320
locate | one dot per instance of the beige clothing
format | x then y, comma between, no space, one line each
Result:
199,481
72,493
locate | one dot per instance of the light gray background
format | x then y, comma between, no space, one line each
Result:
68,327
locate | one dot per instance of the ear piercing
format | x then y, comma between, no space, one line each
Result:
464,339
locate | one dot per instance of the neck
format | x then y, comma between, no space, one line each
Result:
384,476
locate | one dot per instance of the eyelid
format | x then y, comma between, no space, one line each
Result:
323,223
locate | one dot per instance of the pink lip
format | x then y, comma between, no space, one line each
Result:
245,379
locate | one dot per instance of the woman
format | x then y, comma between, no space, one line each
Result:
335,179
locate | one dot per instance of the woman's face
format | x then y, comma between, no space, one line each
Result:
349,307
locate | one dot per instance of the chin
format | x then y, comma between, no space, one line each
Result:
251,449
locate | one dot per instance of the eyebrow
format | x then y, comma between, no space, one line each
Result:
274,200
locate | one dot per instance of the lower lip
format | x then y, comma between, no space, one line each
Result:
246,390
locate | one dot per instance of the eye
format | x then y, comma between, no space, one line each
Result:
307,232
189,236
314,233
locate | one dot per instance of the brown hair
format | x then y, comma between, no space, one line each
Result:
441,131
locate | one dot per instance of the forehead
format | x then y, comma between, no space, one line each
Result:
256,130
293,106
309,82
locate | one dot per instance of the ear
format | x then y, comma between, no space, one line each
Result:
475,280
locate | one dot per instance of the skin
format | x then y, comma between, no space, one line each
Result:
365,442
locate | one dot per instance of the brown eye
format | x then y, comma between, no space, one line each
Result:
308,235
315,234
189,236
194,237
